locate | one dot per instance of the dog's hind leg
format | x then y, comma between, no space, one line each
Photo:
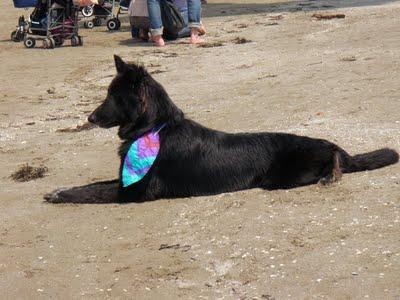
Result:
99,192
335,173
309,166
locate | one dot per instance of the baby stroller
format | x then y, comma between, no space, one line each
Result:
105,10
52,22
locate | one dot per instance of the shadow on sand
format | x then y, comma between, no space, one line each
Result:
233,9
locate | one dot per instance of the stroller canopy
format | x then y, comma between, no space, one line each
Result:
25,3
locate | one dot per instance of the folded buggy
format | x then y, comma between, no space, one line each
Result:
52,22
18,35
107,10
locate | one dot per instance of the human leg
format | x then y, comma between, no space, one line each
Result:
156,26
194,12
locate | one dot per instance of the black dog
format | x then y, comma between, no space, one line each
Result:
194,160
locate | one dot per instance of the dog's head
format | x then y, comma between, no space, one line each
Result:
135,102
125,101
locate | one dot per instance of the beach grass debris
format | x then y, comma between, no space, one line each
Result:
28,173
183,248
241,40
328,16
211,45
348,58
78,128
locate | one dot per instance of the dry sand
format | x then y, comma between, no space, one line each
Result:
336,79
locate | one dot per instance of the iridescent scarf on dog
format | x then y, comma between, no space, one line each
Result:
140,157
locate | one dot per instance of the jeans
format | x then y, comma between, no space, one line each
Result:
185,32
156,26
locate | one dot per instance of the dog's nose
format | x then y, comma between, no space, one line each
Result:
92,118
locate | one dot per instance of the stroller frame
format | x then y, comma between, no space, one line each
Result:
57,28
111,16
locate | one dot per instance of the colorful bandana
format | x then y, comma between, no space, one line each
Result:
140,157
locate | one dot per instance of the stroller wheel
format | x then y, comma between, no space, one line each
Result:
80,39
74,41
20,35
112,24
119,23
88,24
14,36
17,36
29,42
58,41
87,11
51,43
97,22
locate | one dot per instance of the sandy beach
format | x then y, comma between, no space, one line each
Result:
266,66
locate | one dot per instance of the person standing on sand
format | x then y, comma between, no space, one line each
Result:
156,26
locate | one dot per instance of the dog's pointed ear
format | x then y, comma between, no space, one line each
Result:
135,71
119,64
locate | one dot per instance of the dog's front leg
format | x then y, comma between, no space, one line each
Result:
99,192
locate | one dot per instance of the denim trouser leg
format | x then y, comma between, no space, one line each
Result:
194,11
185,32
156,26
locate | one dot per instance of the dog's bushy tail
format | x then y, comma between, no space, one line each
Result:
368,161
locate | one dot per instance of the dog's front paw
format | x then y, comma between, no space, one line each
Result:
58,196
100,192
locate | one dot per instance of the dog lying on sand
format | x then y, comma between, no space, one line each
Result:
165,155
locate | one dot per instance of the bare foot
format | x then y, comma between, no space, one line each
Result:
202,30
158,41
194,37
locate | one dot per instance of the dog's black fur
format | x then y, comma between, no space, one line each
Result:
195,160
